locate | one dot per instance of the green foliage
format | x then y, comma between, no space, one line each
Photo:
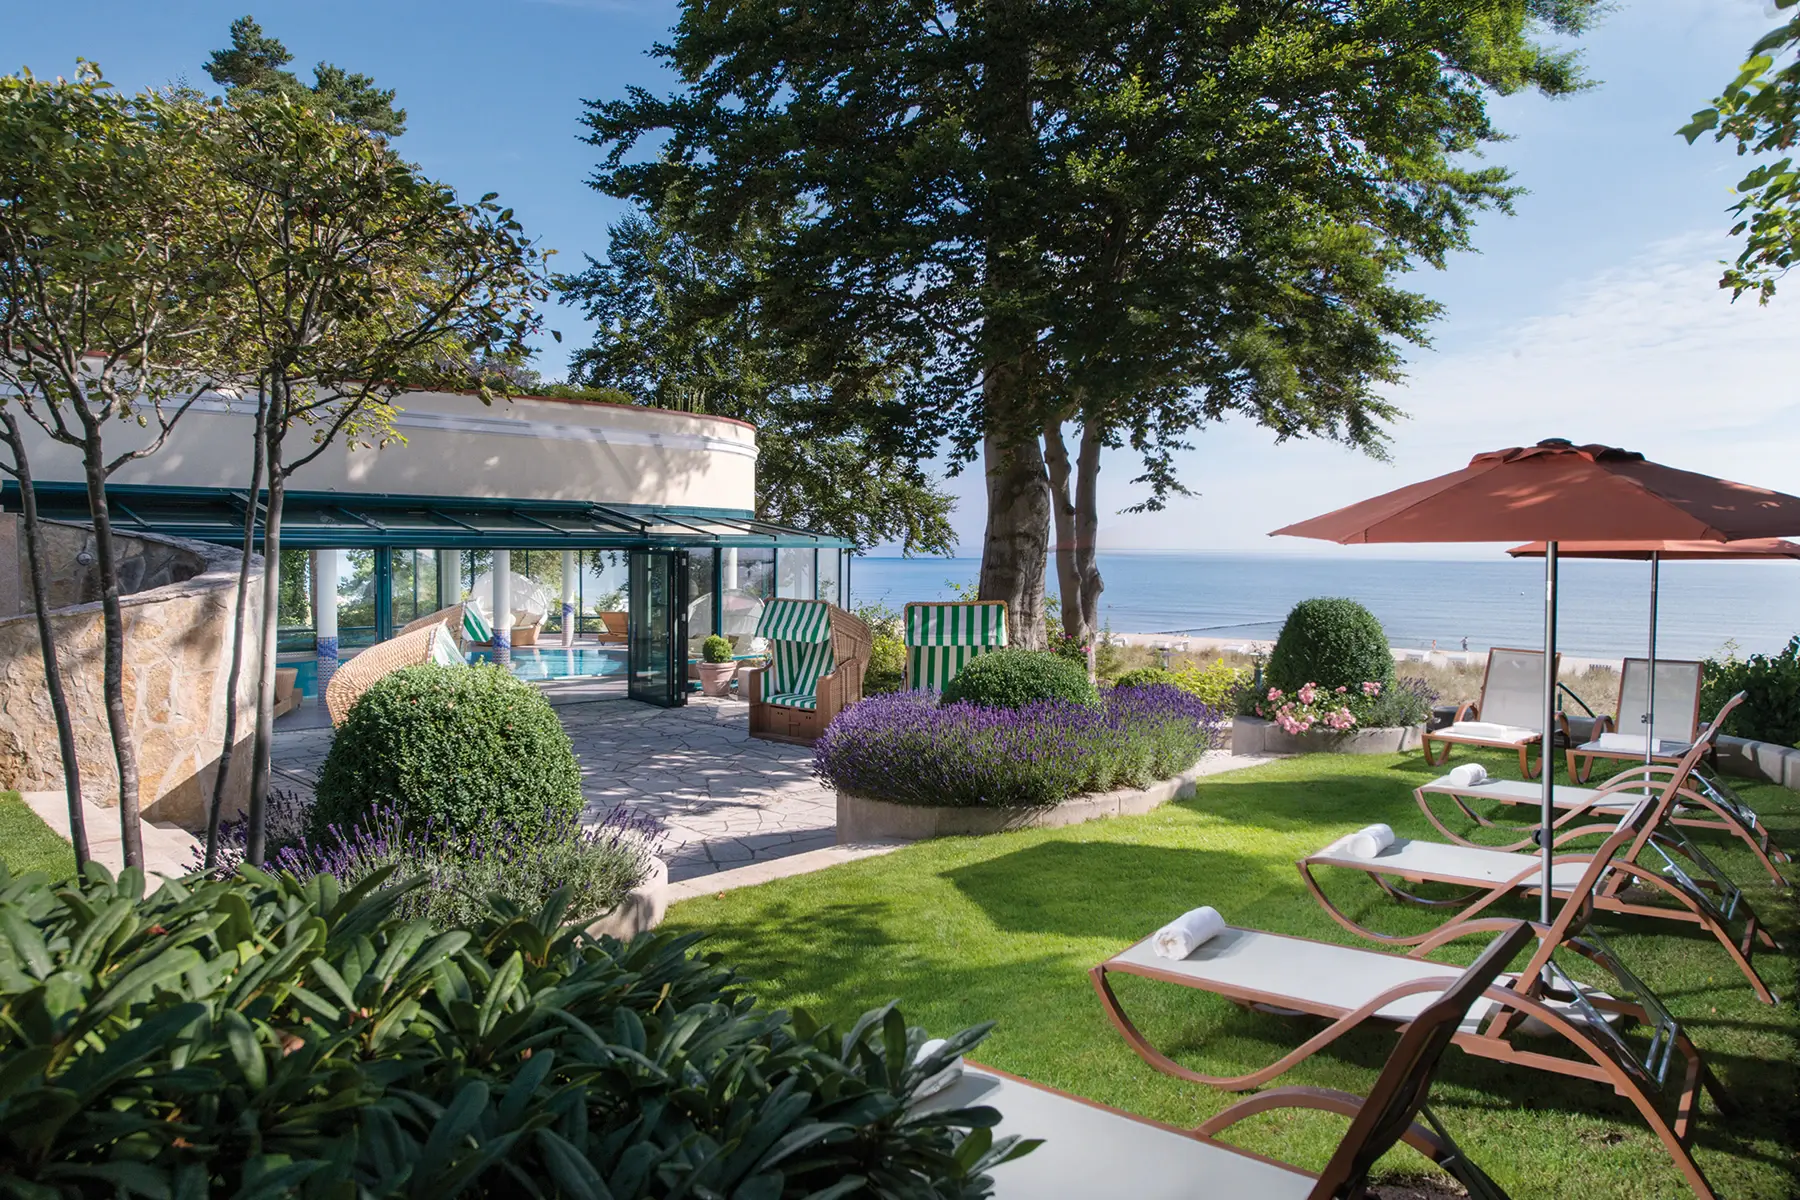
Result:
260,1035
253,65
716,649
834,445
1771,686
1145,677
1332,642
1760,110
453,748
887,657
1014,678
1216,685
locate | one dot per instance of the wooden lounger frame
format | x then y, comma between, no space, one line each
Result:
1472,709
1527,995
1388,1115
1610,894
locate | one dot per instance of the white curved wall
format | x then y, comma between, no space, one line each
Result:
532,448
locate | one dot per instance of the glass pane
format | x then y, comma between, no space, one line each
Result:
413,587
701,611
356,599
828,576
749,580
294,629
602,589
652,608
796,571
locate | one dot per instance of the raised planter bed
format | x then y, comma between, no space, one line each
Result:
1768,761
643,908
1253,735
862,819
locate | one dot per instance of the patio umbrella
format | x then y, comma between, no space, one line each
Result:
1552,492
1656,553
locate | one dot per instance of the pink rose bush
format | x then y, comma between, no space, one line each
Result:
1339,710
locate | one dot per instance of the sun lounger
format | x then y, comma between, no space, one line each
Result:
1700,803
1623,734
1658,864
1512,1022
1092,1151
1509,715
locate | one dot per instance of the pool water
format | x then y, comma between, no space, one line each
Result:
535,663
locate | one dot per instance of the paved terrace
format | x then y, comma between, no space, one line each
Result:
728,800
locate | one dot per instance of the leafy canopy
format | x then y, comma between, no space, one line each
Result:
253,64
1760,110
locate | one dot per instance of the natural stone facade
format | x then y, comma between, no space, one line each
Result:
177,656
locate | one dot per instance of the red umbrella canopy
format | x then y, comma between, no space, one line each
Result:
1667,551
1558,491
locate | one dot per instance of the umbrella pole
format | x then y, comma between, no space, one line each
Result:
1546,757
1650,701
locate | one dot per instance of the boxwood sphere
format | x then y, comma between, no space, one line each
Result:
1332,642
1015,678
455,747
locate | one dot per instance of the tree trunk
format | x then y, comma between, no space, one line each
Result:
118,721
1014,554
226,753
1062,508
1087,528
263,746
1075,503
40,602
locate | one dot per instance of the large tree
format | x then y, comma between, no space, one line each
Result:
108,260
1760,111
358,279
683,327
253,65
1003,193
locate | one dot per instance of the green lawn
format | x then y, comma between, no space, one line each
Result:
1005,928
27,844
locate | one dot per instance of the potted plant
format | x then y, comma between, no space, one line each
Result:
716,666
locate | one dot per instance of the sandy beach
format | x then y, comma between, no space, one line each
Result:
1437,657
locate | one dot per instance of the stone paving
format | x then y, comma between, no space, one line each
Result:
727,799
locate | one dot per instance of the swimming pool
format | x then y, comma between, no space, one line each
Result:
533,663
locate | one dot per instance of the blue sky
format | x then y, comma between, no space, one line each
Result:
1592,314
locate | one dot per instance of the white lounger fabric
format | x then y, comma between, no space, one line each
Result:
1563,796
1456,863
1488,731
1634,743
1090,1152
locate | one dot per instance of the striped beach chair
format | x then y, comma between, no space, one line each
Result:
941,639
817,656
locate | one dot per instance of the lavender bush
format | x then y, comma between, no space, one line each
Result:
600,866
908,749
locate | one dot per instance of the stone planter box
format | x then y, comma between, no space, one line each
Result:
1768,761
1253,735
642,909
862,819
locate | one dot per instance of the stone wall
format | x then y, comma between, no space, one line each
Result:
177,655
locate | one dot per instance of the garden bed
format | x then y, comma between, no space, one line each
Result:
864,819
642,909
1253,735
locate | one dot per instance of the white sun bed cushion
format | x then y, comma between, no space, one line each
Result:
1563,796
1633,743
1488,731
1441,861
1090,1152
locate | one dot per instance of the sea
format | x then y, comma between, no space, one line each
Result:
1603,610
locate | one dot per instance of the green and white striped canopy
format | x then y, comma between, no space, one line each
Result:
941,639
795,621
475,626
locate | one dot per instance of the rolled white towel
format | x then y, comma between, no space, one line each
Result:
1369,841
1467,775
1186,933
943,1078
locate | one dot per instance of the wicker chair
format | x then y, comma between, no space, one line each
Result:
450,618
941,639
818,654
430,644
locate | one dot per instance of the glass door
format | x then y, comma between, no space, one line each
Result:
657,649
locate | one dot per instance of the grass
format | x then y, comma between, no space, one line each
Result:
27,844
1004,928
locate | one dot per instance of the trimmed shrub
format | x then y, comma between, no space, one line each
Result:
261,1035
908,750
716,649
887,665
1016,678
455,749
1331,642
1771,686
1145,677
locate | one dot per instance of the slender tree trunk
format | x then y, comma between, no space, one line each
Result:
1087,528
1075,505
40,601
263,747
1014,554
118,721
1062,508
216,808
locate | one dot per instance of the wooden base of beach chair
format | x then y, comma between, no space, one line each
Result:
1596,1062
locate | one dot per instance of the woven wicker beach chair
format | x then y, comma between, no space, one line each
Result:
1509,716
350,681
941,639
451,619
1623,734
818,654
1097,1153
1659,873
1539,1018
